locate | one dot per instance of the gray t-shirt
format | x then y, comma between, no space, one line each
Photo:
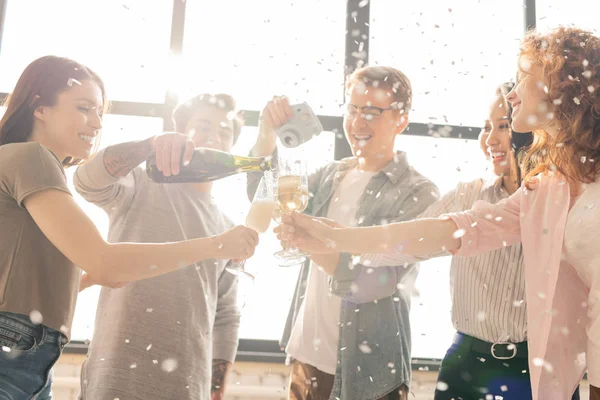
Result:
155,339
34,275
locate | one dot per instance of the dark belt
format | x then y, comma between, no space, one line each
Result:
498,350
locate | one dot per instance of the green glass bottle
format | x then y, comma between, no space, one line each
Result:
208,165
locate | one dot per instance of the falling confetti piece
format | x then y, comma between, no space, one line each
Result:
538,362
149,347
6,349
133,366
36,317
169,365
72,81
365,348
441,386
481,316
576,100
458,234
532,119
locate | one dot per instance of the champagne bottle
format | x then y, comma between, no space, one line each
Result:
208,165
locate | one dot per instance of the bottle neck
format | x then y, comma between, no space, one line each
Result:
248,164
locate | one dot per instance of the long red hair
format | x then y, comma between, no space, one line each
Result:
570,61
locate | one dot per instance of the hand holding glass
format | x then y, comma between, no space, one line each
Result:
258,219
292,196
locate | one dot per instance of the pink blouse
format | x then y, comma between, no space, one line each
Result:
557,299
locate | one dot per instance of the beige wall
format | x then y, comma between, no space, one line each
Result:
249,381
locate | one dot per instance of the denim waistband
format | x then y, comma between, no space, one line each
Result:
22,324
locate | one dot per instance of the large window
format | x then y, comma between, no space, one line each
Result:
579,13
454,52
125,41
294,48
446,162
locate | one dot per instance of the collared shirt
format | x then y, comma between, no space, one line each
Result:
374,354
560,305
487,290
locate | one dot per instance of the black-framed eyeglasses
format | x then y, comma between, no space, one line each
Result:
367,112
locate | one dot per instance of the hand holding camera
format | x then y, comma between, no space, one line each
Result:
293,124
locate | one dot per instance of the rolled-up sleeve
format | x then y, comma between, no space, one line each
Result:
93,182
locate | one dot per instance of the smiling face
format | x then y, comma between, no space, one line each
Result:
498,138
210,127
532,109
371,122
71,126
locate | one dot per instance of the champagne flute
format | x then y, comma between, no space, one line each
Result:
292,196
258,219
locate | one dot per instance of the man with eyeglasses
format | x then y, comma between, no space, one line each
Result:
350,339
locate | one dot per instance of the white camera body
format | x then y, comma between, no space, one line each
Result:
301,128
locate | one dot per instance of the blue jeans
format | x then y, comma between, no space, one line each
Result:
27,354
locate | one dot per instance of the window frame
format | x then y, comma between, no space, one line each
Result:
357,18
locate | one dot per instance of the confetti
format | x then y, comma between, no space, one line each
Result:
169,365
71,81
36,317
458,234
365,348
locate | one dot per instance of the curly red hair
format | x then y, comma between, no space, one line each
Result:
570,61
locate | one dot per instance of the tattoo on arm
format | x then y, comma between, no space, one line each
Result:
121,159
220,368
